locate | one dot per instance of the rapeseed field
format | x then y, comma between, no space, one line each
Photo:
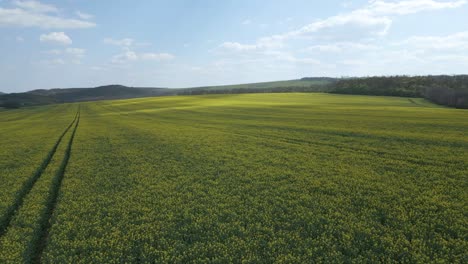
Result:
251,178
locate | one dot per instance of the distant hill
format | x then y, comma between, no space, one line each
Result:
99,93
16,100
442,89
108,92
112,92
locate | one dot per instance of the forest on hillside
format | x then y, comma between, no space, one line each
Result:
442,89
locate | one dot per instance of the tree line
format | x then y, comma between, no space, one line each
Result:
441,89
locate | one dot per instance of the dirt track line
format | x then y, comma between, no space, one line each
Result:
29,184
40,241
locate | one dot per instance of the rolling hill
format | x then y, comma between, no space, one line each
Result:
98,93
42,96
442,89
112,92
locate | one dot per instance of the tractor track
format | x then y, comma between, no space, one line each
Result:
29,184
40,241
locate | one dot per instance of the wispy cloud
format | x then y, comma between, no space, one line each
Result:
380,7
75,52
125,42
352,42
156,56
53,52
452,42
53,62
84,15
372,20
129,56
341,47
37,14
64,56
246,22
56,37
36,7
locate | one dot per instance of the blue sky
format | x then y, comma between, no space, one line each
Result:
182,43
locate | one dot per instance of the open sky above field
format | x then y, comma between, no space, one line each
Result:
180,43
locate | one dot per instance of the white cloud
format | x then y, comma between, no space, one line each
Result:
370,21
129,56
19,39
53,62
457,41
56,37
246,22
126,42
71,55
352,25
83,15
38,16
353,62
75,52
451,58
325,48
53,52
341,47
288,57
156,56
236,46
338,28
261,44
124,57
133,56
379,7
351,43
36,7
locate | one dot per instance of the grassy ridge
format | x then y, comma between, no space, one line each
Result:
264,178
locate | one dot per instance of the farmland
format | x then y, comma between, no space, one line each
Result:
254,178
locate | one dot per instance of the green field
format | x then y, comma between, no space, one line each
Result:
252,178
